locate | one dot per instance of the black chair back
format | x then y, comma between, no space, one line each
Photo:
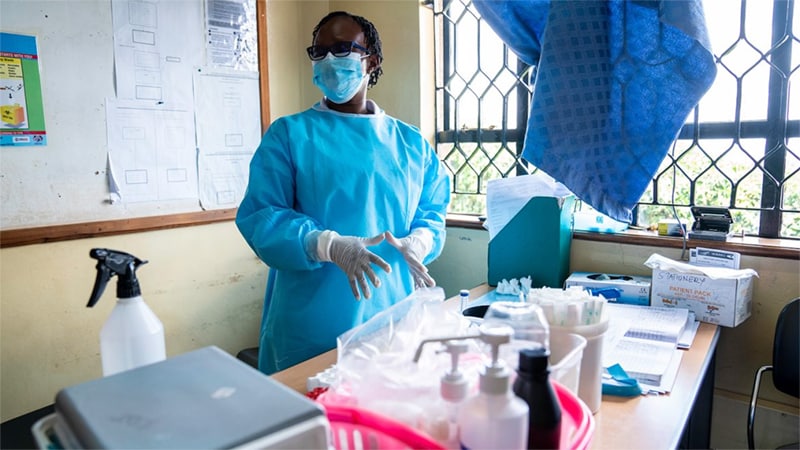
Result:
786,350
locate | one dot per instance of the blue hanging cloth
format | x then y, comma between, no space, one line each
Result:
615,81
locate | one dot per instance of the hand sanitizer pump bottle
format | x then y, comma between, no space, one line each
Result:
443,423
132,336
495,418
454,390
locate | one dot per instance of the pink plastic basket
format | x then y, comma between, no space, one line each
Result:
354,427
577,421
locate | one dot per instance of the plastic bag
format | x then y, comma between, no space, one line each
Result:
376,365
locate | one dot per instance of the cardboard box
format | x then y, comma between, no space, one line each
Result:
671,227
722,301
536,243
625,289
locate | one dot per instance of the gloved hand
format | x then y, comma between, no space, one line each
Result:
351,255
414,248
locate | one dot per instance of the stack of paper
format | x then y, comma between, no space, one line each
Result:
644,341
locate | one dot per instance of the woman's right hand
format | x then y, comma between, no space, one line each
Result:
350,253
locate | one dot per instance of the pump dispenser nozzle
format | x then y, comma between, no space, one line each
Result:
496,377
110,263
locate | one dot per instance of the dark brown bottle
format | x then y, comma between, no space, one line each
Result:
533,385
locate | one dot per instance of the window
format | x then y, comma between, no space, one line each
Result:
739,148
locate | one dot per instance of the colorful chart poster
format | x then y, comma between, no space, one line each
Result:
20,92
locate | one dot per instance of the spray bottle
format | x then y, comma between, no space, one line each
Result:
132,336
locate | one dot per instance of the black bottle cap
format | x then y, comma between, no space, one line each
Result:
533,360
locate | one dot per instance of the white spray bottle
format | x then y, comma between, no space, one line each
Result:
132,336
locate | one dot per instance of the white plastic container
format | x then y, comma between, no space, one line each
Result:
590,388
566,354
131,337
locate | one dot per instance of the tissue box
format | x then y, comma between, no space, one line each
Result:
722,301
626,289
536,243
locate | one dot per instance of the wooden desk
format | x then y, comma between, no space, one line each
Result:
680,419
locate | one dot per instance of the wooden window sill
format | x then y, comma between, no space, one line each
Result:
746,245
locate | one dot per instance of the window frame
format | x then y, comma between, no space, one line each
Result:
769,222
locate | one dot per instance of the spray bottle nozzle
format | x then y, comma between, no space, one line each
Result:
110,263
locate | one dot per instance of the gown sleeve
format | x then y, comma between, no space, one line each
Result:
266,218
432,209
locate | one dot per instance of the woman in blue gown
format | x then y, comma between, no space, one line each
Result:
345,204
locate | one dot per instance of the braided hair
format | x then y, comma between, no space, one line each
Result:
370,34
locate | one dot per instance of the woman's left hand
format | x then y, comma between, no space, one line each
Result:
413,250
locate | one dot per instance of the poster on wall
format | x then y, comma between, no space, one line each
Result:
232,34
20,92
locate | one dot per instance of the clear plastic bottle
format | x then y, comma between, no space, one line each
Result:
463,296
533,386
132,336
531,329
495,418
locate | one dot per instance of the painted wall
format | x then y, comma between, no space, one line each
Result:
203,282
400,24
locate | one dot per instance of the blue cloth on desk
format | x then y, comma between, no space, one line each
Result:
618,383
615,81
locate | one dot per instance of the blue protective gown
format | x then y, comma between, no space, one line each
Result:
358,175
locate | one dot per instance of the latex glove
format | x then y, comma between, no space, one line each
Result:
414,248
351,255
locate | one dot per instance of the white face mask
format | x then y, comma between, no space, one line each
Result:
339,79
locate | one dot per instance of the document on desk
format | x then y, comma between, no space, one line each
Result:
667,379
643,359
644,341
654,323
687,337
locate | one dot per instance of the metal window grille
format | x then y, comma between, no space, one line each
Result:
739,148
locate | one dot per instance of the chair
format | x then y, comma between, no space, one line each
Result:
785,361
249,356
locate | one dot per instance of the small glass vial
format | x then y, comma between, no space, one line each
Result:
464,298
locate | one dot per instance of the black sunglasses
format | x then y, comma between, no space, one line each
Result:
339,50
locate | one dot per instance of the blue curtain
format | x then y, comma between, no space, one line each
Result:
615,81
